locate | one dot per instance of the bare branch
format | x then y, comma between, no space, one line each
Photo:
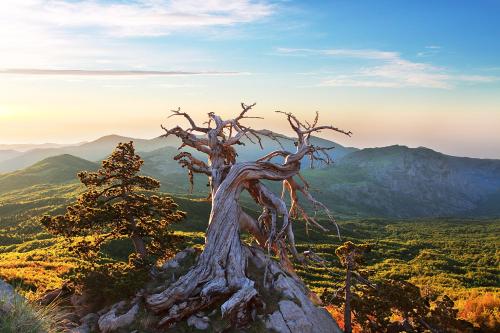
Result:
188,139
194,127
194,165
246,108
320,128
242,130
293,187
273,154
307,129
185,157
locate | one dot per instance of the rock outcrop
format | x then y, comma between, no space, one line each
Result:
295,311
287,305
8,297
113,320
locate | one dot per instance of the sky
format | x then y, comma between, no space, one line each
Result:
416,73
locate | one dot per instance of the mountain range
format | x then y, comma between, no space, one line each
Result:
394,181
93,151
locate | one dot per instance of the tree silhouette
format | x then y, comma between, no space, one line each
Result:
351,257
117,204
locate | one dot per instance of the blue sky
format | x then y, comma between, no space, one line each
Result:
420,73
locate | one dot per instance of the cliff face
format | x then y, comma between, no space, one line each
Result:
399,181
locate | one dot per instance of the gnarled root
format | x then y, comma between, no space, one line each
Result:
205,284
219,274
278,297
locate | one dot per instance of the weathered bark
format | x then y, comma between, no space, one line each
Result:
221,272
221,268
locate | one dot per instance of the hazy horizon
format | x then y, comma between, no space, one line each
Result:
344,142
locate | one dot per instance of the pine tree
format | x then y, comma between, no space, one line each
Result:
118,203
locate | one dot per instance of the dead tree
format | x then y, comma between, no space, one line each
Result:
220,274
351,256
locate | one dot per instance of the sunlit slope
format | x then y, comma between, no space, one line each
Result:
436,251
53,170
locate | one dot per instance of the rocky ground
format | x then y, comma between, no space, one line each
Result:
286,305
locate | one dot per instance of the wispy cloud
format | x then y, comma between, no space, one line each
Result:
69,33
429,51
136,18
390,70
81,72
349,53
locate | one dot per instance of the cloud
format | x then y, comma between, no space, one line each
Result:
429,51
81,72
136,18
404,73
349,53
75,33
476,78
389,71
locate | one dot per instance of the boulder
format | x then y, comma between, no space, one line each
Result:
82,304
111,321
88,324
276,323
53,295
296,312
291,318
80,329
199,322
178,258
8,297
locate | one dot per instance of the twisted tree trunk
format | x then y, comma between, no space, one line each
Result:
221,268
222,273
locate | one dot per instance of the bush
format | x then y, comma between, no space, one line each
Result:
27,317
483,311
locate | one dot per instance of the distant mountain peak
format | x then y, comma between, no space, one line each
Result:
63,161
51,170
113,137
63,158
